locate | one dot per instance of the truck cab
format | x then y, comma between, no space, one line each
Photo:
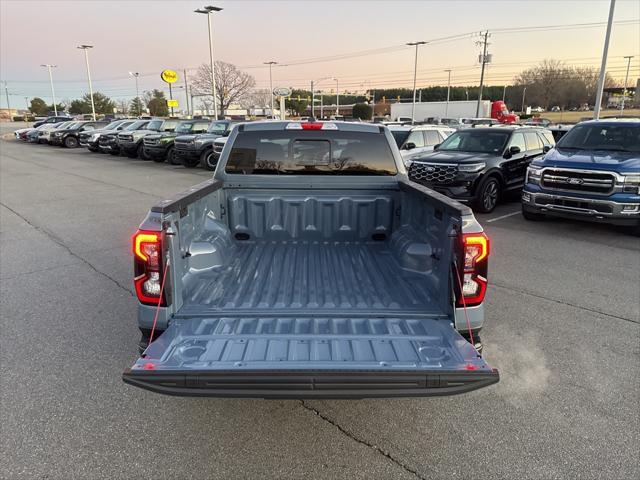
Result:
593,174
310,267
500,112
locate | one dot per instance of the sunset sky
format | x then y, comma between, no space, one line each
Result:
149,36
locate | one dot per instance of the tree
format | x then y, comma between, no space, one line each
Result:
156,103
102,103
362,111
38,106
232,85
137,107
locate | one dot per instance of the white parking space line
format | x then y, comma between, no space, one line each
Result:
503,216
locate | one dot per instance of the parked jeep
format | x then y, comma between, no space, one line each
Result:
90,139
108,142
69,137
160,146
192,150
131,142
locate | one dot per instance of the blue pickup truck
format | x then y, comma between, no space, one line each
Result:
593,173
310,267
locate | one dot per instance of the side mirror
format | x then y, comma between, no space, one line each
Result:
546,148
409,146
436,146
514,150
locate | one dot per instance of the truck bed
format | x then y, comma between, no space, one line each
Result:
290,276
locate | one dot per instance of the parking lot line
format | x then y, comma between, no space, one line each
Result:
503,216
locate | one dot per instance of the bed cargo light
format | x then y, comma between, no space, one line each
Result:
147,251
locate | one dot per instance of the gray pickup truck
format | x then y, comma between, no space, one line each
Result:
310,267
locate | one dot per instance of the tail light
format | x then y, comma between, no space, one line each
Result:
474,275
148,267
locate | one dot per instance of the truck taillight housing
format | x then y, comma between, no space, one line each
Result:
474,275
148,267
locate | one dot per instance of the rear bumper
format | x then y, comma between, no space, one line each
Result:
593,209
310,384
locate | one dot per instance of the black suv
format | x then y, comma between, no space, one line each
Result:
159,146
70,137
479,165
192,150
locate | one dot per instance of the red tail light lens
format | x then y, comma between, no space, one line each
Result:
147,252
311,126
474,277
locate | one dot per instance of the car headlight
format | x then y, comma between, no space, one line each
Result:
534,173
165,140
197,141
631,183
471,167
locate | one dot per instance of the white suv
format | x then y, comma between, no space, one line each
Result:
416,140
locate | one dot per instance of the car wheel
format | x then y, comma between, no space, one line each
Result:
171,157
142,154
157,159
208,160
71,142
190,162
488,195
532,216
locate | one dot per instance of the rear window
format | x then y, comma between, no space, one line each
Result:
620,138
298,152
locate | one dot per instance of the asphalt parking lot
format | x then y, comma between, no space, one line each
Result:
562,327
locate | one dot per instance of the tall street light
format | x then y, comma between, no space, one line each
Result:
209,11
136,75
603,65
337,97
626,78
415,73
271,64
86,59
446,108
53,93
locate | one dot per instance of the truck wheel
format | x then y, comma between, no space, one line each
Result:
207,160
190,162
488,195
171,157
131,154
636,230
142,154
71,142
157,159
532,216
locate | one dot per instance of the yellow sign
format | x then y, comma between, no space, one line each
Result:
172,103
169,76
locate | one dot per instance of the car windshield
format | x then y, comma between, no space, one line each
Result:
169,125
185,127
113,125
478,141
296,152
622,138
136,125
71,125
154,125
400,136
218,127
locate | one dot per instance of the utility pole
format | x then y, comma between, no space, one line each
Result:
135,75
603,66
6,92
53,93
209,11
415,73
524,92
626,78
271,64
337,98
313,98
484,62
446,108
86,58
504,93
186,90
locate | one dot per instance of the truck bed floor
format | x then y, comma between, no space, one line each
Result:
308,276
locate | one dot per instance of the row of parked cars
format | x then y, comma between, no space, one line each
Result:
188,142
591,170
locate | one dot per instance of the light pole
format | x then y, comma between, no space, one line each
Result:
136,75
524,92
446,109
86,59
603,65
209,11
271,64
53,93
626,77
415,73
6,92
337,97
504,93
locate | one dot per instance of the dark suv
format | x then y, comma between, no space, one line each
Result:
192,150
479,165
159,146
70,137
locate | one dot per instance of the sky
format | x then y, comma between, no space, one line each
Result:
311,40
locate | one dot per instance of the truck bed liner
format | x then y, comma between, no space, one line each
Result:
307,276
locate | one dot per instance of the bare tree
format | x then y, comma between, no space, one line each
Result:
232,85
257,98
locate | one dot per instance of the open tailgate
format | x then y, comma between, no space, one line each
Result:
310,358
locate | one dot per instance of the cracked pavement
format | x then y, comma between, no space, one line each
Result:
562,327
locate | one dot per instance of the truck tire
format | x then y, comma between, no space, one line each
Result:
207,160
131,154
190,162
171,157
71,142
487,196
142,154
532,216
157,159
